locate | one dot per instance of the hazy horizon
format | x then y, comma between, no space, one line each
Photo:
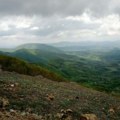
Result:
68,43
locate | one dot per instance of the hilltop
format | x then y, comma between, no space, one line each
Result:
41,47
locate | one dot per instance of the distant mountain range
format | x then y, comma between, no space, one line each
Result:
88,45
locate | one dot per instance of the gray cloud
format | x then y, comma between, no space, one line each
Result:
24,21
6,33
59,7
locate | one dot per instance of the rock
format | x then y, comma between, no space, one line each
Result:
12,85
88,117
69,118
16,84
65,114
36,117
60,115
62,111
111,110
12,112
48,117
69,111
23,114
50,97
29,110
4,102
7,114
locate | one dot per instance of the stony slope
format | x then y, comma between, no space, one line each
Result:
38,98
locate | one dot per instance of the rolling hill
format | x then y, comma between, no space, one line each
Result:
102,46
15,65
92,69
40,47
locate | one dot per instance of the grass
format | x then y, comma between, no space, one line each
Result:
32,92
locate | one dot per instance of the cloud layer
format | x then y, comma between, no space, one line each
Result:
59,7
26,21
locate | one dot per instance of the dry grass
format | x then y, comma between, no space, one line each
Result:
45,97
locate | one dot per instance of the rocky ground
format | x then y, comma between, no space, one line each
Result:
37,98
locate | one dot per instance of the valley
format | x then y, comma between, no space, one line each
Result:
97,69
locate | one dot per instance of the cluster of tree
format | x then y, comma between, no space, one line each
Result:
14,64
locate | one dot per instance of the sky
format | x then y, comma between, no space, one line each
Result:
50,21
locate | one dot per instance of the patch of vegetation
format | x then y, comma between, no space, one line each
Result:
13,64
32,94
93,68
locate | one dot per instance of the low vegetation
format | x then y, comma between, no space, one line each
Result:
13,64
38,98
97,69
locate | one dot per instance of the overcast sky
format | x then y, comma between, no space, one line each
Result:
26,21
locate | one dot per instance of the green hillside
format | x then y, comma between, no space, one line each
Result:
37,55
97,69
15,65
40,47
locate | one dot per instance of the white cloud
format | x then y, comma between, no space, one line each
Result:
85,17
21,29
34,28
18,22
110,25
